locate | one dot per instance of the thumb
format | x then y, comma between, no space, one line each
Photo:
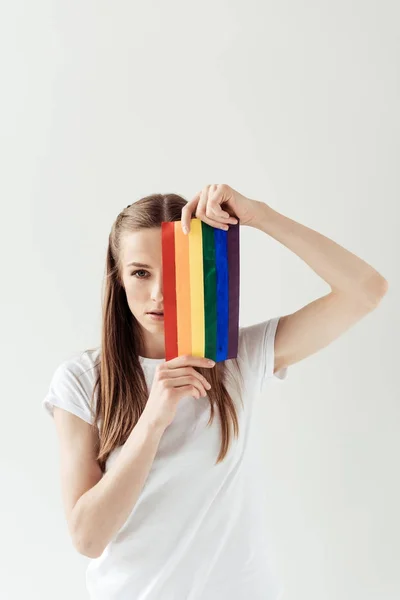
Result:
187,212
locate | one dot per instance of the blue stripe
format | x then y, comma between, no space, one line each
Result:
221,264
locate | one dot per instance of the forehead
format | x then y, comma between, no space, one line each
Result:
142,246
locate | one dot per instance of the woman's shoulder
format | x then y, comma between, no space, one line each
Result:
256,349
72,384
81,367
83,362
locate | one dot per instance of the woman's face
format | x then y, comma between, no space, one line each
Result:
143,281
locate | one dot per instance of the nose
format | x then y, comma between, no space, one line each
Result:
157,291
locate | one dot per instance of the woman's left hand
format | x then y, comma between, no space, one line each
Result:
207,206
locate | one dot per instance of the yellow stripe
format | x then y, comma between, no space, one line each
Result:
196,286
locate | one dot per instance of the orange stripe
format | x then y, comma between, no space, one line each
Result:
182,279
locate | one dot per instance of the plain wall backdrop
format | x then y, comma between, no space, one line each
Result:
292,103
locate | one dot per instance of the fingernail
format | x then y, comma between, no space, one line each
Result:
185,229
211,362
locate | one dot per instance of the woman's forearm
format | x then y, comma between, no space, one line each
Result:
101,511
342,270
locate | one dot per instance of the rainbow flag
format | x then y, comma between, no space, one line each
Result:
201,275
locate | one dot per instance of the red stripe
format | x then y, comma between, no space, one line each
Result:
170,320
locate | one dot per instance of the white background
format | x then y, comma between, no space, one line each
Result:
292,103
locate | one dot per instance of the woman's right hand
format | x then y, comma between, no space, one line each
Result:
174,379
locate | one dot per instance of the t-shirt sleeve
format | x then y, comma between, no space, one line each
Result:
68,391
257,345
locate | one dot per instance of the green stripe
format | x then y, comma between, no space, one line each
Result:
210,291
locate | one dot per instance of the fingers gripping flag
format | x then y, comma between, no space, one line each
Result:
201,277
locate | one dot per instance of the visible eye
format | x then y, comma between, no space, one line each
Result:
139,271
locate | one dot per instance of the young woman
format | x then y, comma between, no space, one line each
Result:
156,471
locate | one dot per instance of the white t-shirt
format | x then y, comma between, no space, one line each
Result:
196,530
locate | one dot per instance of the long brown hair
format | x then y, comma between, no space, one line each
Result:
121,383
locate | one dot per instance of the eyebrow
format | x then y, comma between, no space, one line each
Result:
137,264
